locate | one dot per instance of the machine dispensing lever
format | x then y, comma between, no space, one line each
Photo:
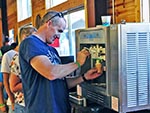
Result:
90,50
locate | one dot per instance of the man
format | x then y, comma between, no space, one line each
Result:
43,76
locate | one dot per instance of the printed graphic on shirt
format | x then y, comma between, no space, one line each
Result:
15,69
53,57
14,65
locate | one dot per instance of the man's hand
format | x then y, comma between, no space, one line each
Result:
92,74
13,106
82,55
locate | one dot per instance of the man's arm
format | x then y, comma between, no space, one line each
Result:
89,75
15,83
7,87
51,71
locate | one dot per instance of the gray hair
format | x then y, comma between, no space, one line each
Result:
48,15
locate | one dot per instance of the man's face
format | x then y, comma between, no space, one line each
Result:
56,31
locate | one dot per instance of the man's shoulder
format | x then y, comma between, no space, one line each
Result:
29,39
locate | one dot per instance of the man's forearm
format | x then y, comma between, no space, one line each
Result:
72,82
7,87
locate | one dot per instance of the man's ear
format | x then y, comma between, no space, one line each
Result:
49,23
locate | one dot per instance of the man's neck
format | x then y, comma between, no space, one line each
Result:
39,36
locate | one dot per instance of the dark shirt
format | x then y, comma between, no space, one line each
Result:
5,48
42,95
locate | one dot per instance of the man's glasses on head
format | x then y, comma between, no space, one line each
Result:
60,14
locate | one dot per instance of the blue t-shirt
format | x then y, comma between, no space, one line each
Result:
41,95
1,77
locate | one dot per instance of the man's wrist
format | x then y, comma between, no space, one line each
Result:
83,77
78,64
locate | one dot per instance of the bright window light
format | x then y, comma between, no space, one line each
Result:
52,3
145,11
23,9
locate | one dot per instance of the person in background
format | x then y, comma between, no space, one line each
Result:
5,69
15,76
6,46
3,94
44,80
6,42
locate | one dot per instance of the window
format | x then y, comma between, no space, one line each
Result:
75,20
52,3
145,10
11,36
23,9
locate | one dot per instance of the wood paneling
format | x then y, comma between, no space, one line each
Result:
12,16
38,8
68,5
11,13
128,10
94,10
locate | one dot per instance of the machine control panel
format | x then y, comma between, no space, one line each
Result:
91,35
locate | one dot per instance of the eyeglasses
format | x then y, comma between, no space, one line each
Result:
60,14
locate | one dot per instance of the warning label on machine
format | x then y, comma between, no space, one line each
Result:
114,103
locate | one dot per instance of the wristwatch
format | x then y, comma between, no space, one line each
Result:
83,77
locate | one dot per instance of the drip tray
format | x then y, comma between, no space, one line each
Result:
74,98
100,84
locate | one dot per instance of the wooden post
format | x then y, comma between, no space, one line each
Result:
1,33
137,11
94,10
90,13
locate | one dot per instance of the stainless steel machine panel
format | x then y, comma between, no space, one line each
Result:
123,50
133,57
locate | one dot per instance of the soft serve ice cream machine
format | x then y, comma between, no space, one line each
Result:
123,51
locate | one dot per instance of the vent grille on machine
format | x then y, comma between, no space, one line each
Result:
137,70
96,97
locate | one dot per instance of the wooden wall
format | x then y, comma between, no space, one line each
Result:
38,8
128,10
12,15
123,9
